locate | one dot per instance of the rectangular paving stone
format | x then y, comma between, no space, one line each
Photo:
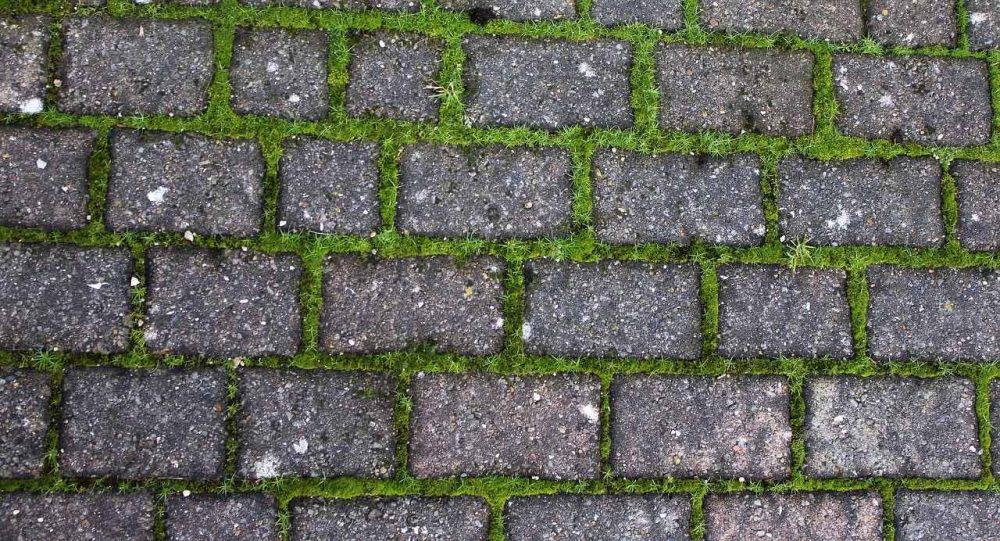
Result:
676,198
672,426
947,515
461,518
394,75
243,517
492,192
912,23
831,20
24,421
483,11
984,24
356,5
861,201
663,14
24,49
223,303
735,91
611,309
598,517
547,84
891,427
71,517
278,72
934,101
135,424
844,516
978,194
482,424
381,305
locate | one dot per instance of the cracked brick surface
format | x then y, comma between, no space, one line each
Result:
833,20
243,517
24,43
947,515
24,421
393,75
913,23
846,516
514,10
978,195
664,14
594,518
461,518
71,517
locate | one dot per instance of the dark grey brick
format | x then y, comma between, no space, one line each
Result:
277,72
393,75
486,424
136,66
384,305
223,303
773,311
515,10
891,427
410,518
599,517
984,24
665,14
861,201
24,420
493,192
844,516
28,516
612,309
24,48
356,5
978,195
727,427
547,84
182,182
833,20
947,515
143,423
676,198
236,517
941,101
735,91
64,297
912,23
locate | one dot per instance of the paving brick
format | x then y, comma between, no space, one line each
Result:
24,48
181,182
995,422
491,192
385,305
393,75
664,14
356,5
64,297
277,72
136,66
845,516
675,198
984,24
891,427
71,517
940,101
947,515
483,11
735,91
978,204
242,517
727,427
24,420
612,309
134,424
912,23
547,84
833,20
861,201
462,518
485,424
600,517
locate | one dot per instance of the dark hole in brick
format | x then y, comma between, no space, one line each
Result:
482,15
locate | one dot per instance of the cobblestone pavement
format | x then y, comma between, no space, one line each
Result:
478,270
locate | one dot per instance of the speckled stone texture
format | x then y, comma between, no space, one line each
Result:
110,67
891,427
832,20
316,423
978,194
380,305
664,14
598,517
861,201
277,72
913,23
24,48
677,198
24,420
984,24
481,424
393,75
482,11
26,516
947,515
735,91
179,182
136,424
220,303
354,5
547,84
728,427
932,101
65,298
235,517
843,516
491,192
412,518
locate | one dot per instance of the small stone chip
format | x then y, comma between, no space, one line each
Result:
598,517
947,515
663,14
240,517
356,5
984,24
71,517
831,20
415,518
24,422
24,47
978,195
277,72
840,516
912,23
393,75
483,11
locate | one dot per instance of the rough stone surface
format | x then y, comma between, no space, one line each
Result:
143,423
492,192
24,48
236,517
223,303
547,84
24,420
277,72
729,427
412,518
483,11
978,185
891,427
844,516
612,309
947,515
677,198
984,24
598,518
485,424
833,20
665,14
913,23
394,75
76,517
355,5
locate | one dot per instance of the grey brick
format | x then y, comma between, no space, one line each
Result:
223,303
76,517
277,72
24,48
675,198
984,24
833,20
978,204
236,517
844,516
24,421
393,75
547,84
891,427
861,201
485,424
940,101
482,11
947,515
913,23
735,91
412,518
354,5
178,182
143,423
727,427
493,192
665,14
64,297
598,517
385,305
612,309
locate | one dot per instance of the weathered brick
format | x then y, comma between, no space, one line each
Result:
143,423
223,303
891,427
71,517
700,427
483,11
665,14
277,72
612,309
941,101
393,304
833,20
393,75
676,198
547,84
978,187
243,517
984,24
861,201
485,424
912,23
180,182
592,518
24,47
492,192
24,420
462,518
355,5
844,516
735,91
947,515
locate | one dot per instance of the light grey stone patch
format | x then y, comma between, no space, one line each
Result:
664,14
24,49
393,75
354,5
947,515
984,24
482,11
461,518
598,517
913,23
278,72
844,516
236,517
24,422
978,187
73,517
831,20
